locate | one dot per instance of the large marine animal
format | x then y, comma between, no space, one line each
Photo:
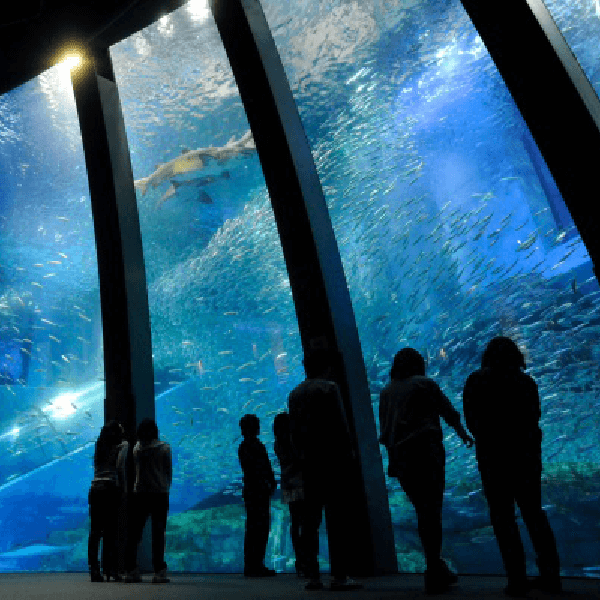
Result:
196,182
195,160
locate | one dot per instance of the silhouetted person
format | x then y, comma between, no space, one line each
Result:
502,410
107,489
321,440
410,408
292,484
153,477
259,485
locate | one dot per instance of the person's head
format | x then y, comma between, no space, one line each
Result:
250,425
112,432
281,426
111,435
502,352
320,362
147,431
407,362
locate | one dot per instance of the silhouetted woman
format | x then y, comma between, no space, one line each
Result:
104,498
502,410
292,485
153,477
410,408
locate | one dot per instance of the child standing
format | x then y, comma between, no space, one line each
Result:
259,485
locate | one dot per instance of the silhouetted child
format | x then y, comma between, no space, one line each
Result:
410,408
502,411
153,477
107,489
292,484
259,485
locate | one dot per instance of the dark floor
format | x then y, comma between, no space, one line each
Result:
77,586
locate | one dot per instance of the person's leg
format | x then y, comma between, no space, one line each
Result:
263,526
159,510
296,512
426,494
95,533
528,495
138,514
110,548
309,533
498,487
252,535
338,532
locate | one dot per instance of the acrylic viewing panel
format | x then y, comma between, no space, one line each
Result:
451,231
224,332
51,362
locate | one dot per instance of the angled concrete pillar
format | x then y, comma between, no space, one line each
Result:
123,293
320,292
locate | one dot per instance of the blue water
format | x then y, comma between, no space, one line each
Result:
449,227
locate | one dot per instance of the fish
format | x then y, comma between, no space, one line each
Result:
195,160
196,182
528,242
245,365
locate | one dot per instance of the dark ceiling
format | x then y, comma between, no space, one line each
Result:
34,34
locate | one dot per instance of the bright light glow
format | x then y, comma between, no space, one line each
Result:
198,10
165,27
62,406
72,60
14,432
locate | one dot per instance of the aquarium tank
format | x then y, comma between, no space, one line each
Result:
451,231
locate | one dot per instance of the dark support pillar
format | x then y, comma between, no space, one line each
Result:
559,105
321,297
123,294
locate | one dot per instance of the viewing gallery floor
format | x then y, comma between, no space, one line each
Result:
77,586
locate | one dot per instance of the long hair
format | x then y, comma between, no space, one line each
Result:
502,352
407,362
147,431
110,436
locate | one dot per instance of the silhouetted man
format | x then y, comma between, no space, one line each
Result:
322,442
502,410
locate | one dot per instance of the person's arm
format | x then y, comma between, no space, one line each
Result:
470,404
268,469
169,465
296,437
122,465
344,428
452,417
383,420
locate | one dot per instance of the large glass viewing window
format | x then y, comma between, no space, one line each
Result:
579,22
51,362
451,231
224,333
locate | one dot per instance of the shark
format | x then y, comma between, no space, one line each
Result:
195,160
196,182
